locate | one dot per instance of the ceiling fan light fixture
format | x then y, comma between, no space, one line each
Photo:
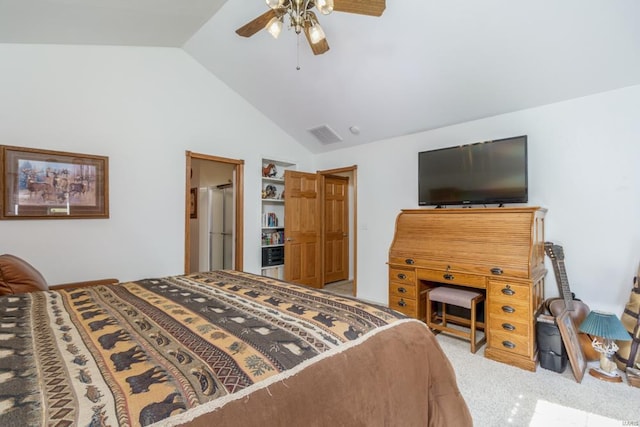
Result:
316,34
274,4
301,18
274,27
325,6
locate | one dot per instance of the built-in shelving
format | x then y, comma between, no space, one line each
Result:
272,218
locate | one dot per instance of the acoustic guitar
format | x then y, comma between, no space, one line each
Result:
578,310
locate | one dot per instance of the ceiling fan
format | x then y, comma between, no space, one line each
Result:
302,18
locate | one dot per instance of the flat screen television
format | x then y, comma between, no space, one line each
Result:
492,172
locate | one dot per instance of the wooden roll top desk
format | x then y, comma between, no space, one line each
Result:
500,250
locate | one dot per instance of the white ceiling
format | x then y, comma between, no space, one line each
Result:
104,22
424,64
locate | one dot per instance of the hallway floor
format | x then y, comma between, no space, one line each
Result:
344,287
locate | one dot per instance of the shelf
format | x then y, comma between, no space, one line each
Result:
276,180
274,271
273,228
273,200
272,266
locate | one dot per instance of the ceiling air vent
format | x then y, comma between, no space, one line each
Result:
325,134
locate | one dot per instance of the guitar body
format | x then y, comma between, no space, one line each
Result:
578,311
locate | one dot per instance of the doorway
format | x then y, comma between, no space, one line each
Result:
214,216
339,231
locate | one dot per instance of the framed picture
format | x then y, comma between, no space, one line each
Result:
572,344
193,210
44,184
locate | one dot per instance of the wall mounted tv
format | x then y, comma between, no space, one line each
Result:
492,172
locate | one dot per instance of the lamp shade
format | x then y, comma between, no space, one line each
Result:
274,27
274,4
325,6
316,34
604,325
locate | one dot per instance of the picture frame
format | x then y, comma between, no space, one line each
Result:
569,336
47,184
193,206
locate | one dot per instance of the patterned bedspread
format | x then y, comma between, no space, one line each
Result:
138,352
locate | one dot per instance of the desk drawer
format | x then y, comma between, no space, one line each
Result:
402,290
517,311
402,275
509,324
508,290
508,341
462,279
508,302
404,305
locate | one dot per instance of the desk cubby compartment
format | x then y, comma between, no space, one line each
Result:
551,351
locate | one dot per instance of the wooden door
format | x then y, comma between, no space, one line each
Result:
302,263
336,228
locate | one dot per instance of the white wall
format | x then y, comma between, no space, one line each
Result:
142,107
583,167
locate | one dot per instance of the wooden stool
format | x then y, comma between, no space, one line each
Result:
461,298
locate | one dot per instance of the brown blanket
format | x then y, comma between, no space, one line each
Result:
168,350
397,376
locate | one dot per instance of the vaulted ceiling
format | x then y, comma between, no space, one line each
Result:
423,64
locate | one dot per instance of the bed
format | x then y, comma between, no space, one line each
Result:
220,348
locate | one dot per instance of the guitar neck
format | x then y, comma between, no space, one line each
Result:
561,278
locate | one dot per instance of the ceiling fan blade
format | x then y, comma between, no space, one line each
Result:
257,24
361,7
318,48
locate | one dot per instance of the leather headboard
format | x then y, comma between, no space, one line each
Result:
18,276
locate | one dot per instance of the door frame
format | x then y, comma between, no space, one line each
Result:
238,188
353,178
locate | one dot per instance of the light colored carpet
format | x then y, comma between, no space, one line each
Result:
344,287
502,395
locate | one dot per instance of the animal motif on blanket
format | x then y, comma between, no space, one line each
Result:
139,352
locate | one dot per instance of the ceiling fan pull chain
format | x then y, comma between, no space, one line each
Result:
298,52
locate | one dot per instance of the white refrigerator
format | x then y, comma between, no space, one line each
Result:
215,216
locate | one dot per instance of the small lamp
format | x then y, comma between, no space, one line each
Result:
608,327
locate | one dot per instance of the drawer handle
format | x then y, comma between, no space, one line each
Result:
508,291
402,276
497,271
447,276
402,290
409,261
508,344
508,327
402,303
508,309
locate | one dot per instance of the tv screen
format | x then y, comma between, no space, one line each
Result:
481,173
